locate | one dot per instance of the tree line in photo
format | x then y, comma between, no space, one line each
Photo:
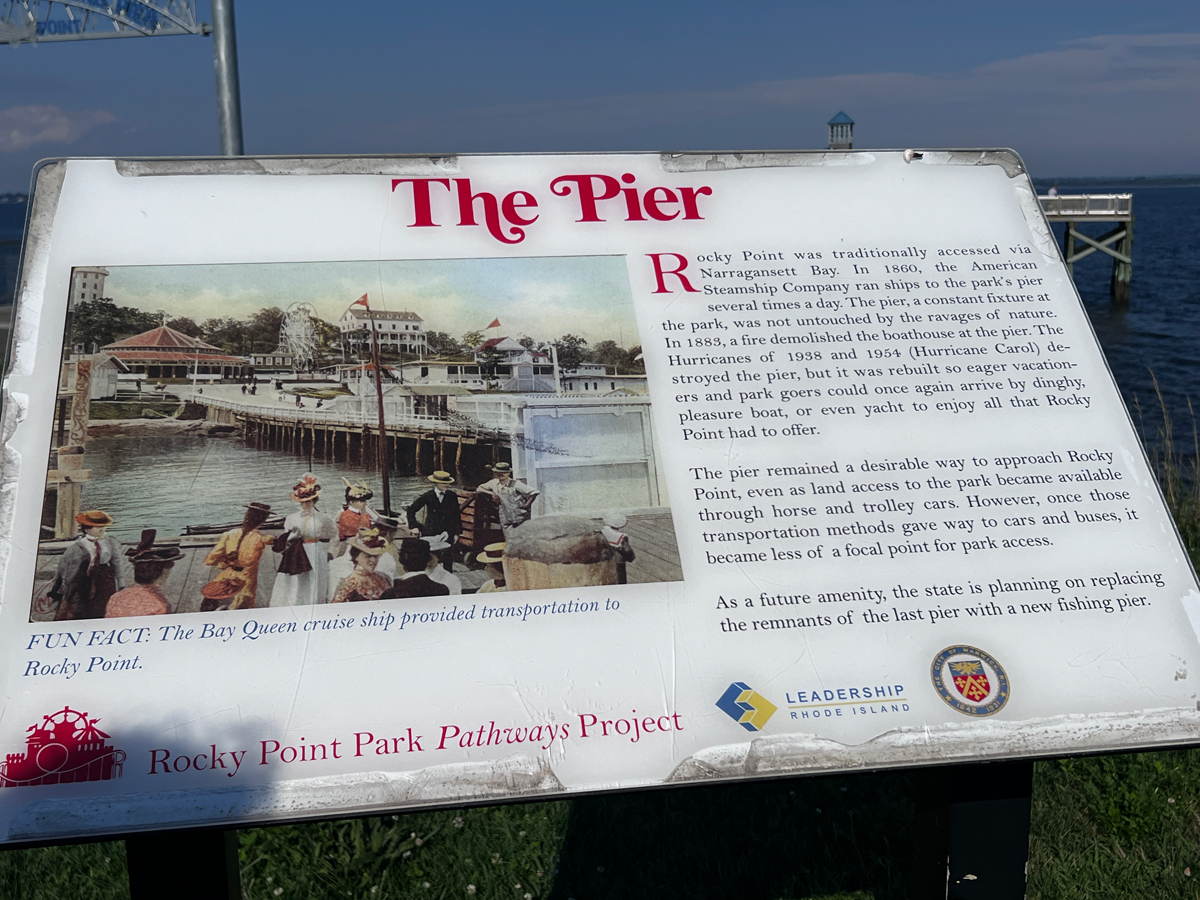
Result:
96,323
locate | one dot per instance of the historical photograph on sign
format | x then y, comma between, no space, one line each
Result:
265,435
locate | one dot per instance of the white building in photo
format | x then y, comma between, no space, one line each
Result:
397,330
600,385
444,371
519,370
87,283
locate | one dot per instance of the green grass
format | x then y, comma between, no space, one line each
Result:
500,851
75,872
837,838
1117,826
1178,475
1124,826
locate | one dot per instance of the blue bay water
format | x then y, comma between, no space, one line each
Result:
1159,332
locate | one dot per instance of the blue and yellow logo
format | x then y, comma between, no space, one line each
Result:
746,706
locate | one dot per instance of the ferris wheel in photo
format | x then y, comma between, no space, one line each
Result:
298,336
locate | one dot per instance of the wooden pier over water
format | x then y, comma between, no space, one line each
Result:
416,444
1074,209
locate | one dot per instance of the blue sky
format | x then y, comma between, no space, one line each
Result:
1098,88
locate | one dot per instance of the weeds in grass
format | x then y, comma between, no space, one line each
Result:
1178,474
94,871
503,851
1116,826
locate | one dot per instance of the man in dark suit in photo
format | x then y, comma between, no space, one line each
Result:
441,515
414,556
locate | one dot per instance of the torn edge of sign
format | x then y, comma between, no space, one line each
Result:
23,348
678,163
16,408
525,777
1008,160
34,269
1014,167
291,165
966,742
341,795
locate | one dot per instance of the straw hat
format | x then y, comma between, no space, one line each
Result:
441,477
368,542
492,553
94,518
501,467
359,491
306,488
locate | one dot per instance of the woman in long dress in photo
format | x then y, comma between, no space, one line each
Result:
303,577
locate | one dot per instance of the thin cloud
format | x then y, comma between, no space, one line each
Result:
1102,65
1107,102
25,126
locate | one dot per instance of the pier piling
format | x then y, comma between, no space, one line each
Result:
1074,209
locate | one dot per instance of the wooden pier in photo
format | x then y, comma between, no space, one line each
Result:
1074,209
652,537
415,445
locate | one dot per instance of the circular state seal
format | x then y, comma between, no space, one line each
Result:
969,680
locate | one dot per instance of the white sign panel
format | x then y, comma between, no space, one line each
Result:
698,467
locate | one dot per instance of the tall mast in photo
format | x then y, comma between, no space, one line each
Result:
382,454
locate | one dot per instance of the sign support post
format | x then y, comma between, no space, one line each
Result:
972,828
207,859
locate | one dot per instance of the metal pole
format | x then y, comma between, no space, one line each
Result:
229,93
208,857
949,862
383,456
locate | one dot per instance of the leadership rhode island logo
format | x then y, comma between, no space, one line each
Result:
969,680
746,706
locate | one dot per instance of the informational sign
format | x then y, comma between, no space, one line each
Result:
345,485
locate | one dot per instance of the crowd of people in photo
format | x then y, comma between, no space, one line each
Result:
362,554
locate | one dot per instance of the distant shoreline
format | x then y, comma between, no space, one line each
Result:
1041,182
1133,182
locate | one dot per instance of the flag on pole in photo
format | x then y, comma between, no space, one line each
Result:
495,323
361,301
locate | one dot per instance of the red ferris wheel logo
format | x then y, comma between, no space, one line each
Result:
65,747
